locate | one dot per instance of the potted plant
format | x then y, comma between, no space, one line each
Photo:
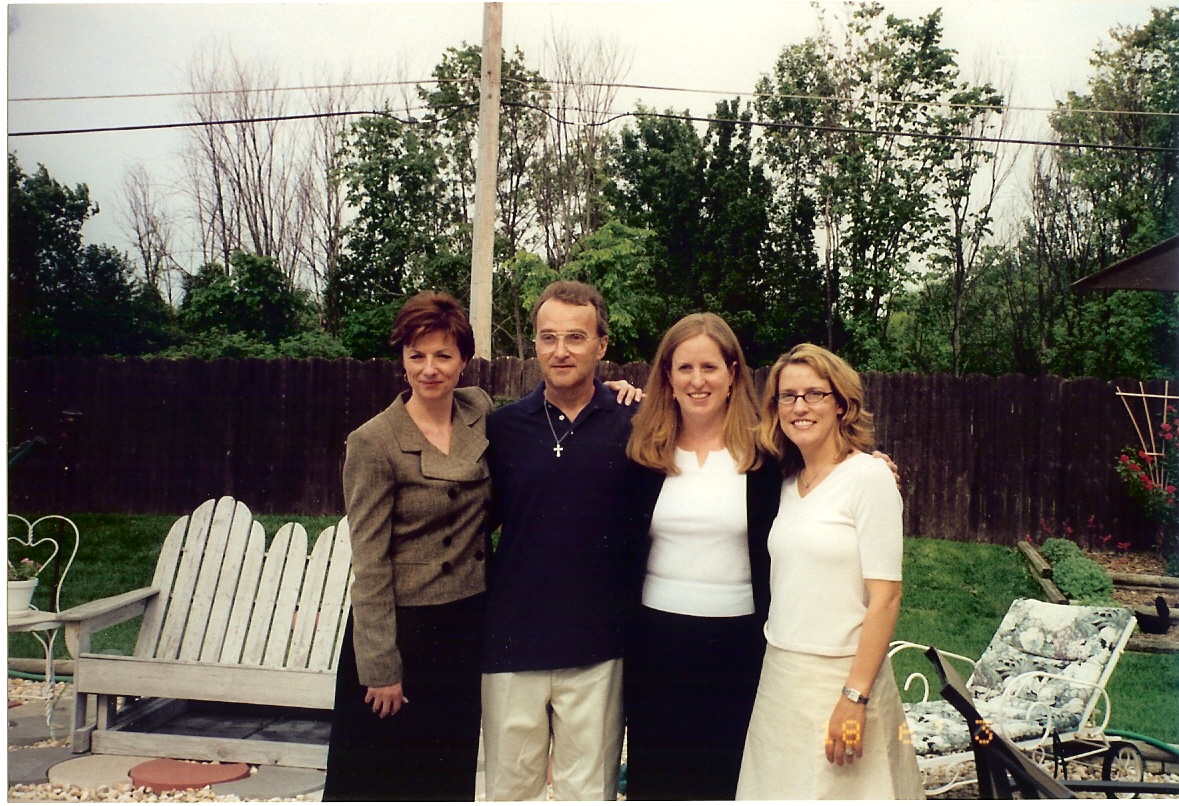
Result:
22,581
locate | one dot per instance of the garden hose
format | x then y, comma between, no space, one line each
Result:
40,678
1156,743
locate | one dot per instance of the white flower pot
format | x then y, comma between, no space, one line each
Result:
20,594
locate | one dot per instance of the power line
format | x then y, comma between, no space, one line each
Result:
190,93
877,101
896,133
1002,108
773,125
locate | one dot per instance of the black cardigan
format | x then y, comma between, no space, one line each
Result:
763,491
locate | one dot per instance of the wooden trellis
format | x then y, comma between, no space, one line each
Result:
1149,436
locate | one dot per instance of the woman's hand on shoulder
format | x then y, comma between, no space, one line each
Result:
386,700
627,393
896,473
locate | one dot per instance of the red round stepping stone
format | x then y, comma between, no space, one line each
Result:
163,774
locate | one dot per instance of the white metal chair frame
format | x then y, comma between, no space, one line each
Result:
1090,733
44,626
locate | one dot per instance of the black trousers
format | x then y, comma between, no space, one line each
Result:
690,683
429,749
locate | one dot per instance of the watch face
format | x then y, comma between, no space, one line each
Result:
855,696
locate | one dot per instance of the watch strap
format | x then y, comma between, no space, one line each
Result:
854,696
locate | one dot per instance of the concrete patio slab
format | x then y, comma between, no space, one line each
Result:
31,765
91,772
274,782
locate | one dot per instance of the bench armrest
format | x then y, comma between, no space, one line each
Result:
85,619
896,647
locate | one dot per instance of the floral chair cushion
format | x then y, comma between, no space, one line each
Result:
936,728
1074,642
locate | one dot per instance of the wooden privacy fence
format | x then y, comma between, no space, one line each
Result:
983,459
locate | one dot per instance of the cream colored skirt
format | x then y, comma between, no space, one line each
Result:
785,756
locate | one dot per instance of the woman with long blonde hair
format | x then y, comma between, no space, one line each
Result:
700,593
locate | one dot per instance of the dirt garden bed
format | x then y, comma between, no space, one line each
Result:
1140,563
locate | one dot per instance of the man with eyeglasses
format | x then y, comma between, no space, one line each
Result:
552,656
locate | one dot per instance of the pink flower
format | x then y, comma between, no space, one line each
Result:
1123,546
1141,454
1168,436
1170,489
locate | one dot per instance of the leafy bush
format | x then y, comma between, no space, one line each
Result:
1078,577
311,345
1056,549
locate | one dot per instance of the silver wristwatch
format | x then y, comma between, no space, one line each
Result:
854,696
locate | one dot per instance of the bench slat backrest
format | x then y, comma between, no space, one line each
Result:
247,594
225,598
217,587
153,616
319,620
337,599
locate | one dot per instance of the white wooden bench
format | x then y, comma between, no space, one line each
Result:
224,620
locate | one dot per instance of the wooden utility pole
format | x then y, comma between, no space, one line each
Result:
486,178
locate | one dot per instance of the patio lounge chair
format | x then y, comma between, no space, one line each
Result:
1003,770
1040,684
225,620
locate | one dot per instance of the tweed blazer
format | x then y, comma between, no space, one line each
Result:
419,520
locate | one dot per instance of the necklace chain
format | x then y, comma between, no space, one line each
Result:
817,477
556,448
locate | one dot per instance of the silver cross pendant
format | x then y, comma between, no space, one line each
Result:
557,450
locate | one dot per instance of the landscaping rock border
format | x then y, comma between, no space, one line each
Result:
1155,584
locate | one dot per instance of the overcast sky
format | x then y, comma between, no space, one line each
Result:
57,50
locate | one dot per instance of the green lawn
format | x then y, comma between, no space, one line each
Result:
955,596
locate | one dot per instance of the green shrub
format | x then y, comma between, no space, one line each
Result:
1078,577
1056,549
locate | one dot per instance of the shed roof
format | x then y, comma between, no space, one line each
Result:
1156,269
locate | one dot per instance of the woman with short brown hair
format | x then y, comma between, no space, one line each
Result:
417,490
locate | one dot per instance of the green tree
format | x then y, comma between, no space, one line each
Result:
403,233
1094,206
747,270
709,204
249,310
66,297
872,187
454,105
658,185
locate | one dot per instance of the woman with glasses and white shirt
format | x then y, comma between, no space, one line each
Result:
828,721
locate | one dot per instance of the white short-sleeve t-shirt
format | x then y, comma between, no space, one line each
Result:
823,547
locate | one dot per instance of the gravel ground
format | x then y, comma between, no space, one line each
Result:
1079,772
24,691
41,793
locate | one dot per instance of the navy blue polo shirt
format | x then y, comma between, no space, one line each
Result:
558,579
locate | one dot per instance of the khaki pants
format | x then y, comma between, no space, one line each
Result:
586,730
